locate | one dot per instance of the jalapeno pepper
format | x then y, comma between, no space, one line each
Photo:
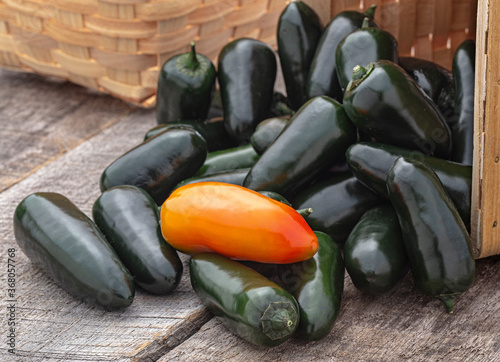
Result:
185,88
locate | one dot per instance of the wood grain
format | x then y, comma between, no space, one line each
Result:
47,119
485,185
398,326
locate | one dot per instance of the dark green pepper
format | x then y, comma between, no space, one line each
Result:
249,304
280,106
130,220
216,110
374,253
337,202
317,284
362,46
315,138
299,31
322,79
275,196
435,80
266,133
213,131
462,127
229,159
70,248
158,164
246,72
371,162
435,238
383,101
185,89
234,177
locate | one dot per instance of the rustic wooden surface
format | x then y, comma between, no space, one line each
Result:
58,137
485,207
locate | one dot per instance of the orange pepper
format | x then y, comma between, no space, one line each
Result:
236,222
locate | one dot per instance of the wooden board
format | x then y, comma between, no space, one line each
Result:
398,326
53,326
486,184
56,121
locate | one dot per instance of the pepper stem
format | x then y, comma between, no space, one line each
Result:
448,301
358,72
279,320
366,23
192,60
305,212
370,12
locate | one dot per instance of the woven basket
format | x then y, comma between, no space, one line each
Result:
118,46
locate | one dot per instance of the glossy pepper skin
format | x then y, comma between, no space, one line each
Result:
338,202
275,196
234,177
247,303
370,163
229,159
317,284
158,164
362,46
213,131
186,85
266,133
374,253
436,241
315,138
280,106
436,81
246,73
130,220
236,222
70,248
386,103
299,31
462,127
322,79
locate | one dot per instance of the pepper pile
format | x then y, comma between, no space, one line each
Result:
377,146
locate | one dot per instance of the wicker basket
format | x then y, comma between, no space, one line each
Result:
428,29
118,46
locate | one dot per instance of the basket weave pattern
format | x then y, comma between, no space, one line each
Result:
118,46
427,29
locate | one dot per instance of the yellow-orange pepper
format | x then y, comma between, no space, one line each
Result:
236,222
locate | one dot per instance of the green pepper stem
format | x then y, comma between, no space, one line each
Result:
279,320
370,13
192,60
448,301
366,23
305,212
358,72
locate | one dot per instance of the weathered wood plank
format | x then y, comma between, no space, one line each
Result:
485,185
51,324
401,325
42,118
